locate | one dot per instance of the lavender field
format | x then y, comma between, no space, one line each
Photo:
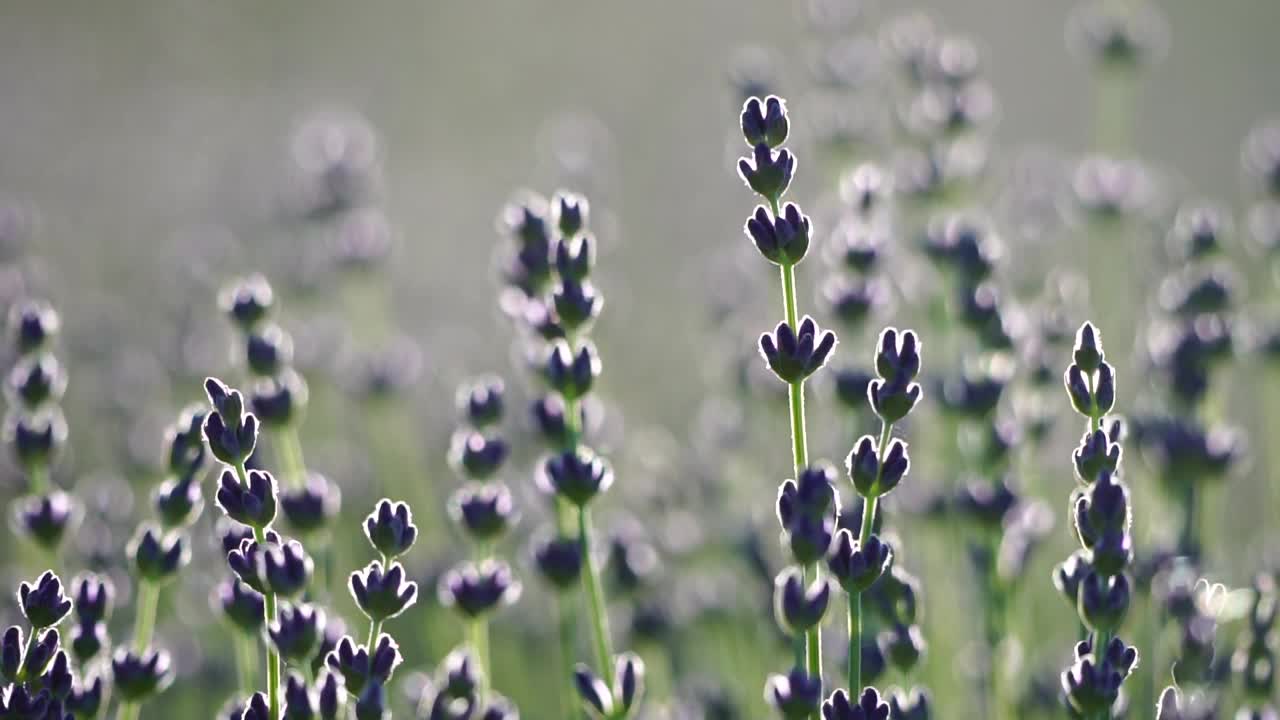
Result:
817,360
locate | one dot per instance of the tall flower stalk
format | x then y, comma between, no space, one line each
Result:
483,508
34,427
796,349
1095,579
875,468
158,551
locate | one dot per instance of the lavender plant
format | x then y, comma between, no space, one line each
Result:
34,427
484,509
1094,579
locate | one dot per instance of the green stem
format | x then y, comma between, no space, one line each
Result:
31,642
128,711
295,467
595,598
564,626
855,644
855,599
478,630
144,625
38,477
799,445
273,658
244,662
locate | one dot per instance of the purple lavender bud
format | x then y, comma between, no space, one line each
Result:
768,172
29,703
797,608
138,676
32,325
240,604
477,589
246,560
577,303
383,594
158,555
795,354
559,561
45,519
1087,352
94,596
476,455
268,350
575,256
1078,390
285,569
371,704
481,401
782,240
278,401
36,380
358,667
390,528
35,438
571,373
313,506
231,433
593,692
178,502
256,708
57,679
1096,454
485,511
43,604
868,707
332,695
86,698
795,696
628,681
549,420
248,302
1104,601
903,646
299,701
913,705
569,212
88,639
12,649
858,567
1104,396
577,475
765,121
296,631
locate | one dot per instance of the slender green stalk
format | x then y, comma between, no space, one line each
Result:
855,643
245,665
38,477
31,642
273,658
128,711
595,598
478,633
855,599
799,446
295,467
564,626
144,625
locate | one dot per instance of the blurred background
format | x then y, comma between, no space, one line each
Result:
151,152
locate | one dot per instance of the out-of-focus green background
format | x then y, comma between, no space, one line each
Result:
146,137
